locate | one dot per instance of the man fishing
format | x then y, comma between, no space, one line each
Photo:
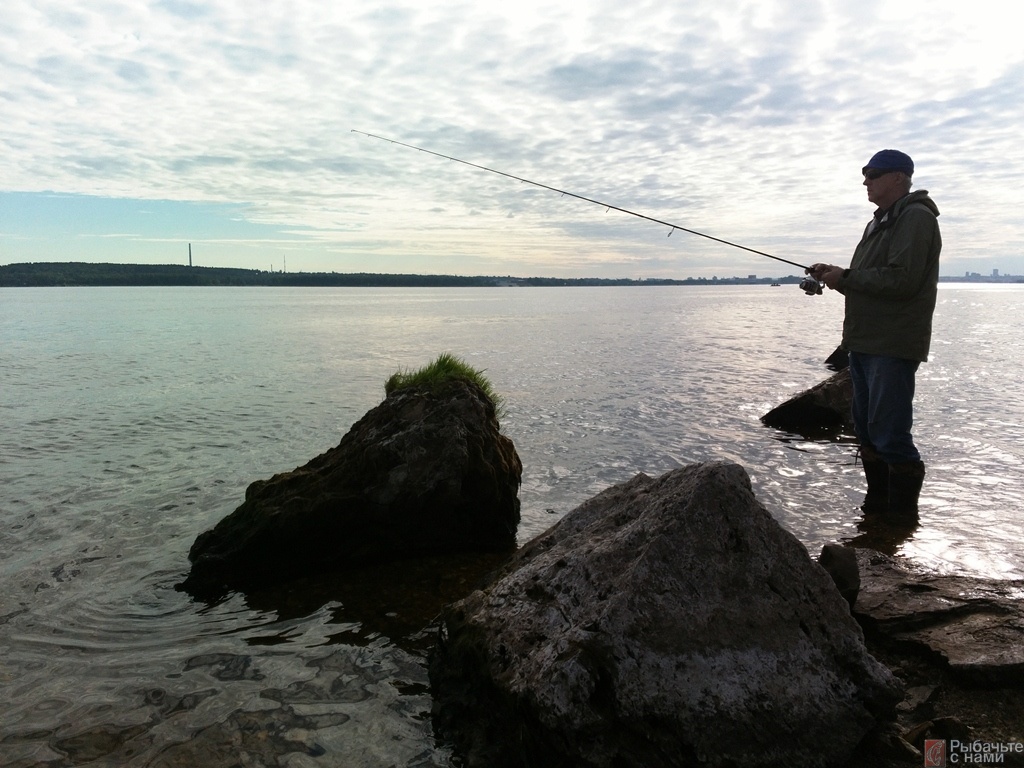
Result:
890,290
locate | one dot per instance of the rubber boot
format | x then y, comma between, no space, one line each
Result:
905,481
876,472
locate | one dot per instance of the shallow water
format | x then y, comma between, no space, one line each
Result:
133,419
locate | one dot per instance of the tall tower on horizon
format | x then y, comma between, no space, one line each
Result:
190,254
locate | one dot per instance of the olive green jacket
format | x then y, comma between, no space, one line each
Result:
891,285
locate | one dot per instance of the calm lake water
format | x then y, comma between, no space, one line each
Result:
133,419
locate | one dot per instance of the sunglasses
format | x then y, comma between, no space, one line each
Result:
876,173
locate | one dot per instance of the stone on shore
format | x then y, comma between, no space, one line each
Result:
667,622
841,565
822,409
425,472
974,626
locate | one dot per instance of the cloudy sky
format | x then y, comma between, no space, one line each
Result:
131,128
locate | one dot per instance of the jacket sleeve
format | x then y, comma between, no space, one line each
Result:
907,264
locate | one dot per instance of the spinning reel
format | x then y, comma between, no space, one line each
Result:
810,286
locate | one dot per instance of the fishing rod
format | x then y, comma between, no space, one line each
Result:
805,284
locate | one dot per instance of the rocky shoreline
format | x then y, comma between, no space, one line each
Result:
667,621
957,643
938,705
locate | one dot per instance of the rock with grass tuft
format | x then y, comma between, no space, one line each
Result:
425,472
441,373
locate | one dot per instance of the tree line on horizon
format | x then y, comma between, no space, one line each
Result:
73,274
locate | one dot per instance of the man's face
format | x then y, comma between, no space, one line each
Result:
884,187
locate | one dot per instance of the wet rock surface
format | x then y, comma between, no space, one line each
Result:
954,641
664,622
974,627
425,472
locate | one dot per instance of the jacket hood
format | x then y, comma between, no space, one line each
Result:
918,197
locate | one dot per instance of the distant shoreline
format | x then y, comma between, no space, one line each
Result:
81,274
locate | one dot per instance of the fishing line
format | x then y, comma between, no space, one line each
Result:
607,206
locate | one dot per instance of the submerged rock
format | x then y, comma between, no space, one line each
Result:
822,409
664,622
425,472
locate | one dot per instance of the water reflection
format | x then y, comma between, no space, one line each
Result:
396,600
885,536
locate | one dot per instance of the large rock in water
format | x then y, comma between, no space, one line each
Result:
822,409
424,472
664,622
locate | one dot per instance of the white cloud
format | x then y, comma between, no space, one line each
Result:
747,120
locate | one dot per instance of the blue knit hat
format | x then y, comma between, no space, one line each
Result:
891,160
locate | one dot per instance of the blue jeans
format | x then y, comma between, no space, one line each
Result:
883,405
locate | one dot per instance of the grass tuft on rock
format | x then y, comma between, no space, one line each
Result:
442,371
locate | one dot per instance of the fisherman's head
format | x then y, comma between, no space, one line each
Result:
888,176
